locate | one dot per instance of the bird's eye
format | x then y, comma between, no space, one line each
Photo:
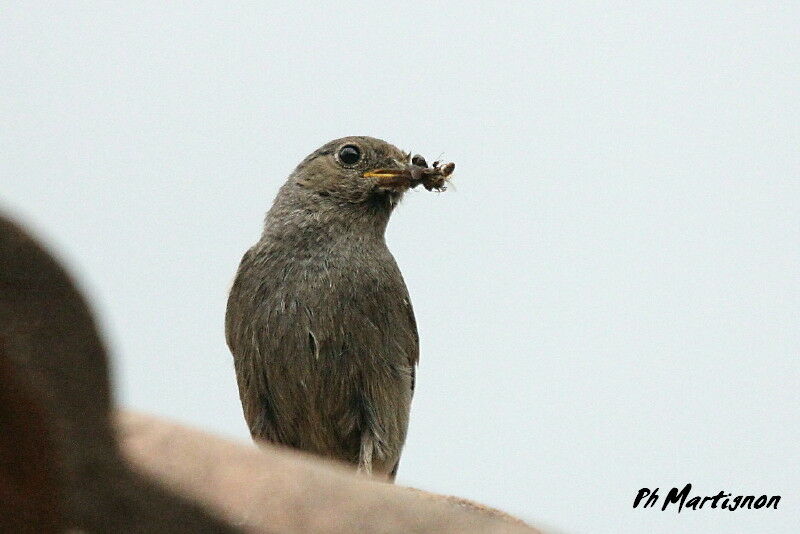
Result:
349,154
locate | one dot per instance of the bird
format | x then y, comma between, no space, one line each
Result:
319,319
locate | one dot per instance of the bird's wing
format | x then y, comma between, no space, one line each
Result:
414,356
242,341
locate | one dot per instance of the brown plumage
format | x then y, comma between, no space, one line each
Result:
319,320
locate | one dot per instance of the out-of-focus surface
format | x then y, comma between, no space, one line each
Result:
607,298
278,490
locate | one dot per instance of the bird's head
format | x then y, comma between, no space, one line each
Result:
362,169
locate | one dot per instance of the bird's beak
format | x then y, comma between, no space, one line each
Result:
390,177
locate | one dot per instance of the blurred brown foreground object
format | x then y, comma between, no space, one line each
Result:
292,491
61,468
29,489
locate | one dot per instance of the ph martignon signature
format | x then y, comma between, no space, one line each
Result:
648,498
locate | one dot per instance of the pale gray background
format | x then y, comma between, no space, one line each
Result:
608,300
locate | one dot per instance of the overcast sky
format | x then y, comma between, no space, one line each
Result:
608,298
